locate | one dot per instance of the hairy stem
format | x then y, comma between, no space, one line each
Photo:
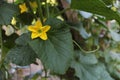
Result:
40,12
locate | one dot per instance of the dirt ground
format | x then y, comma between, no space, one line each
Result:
19,72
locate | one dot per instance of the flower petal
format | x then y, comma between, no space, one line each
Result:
34,35
33,28
38,24
43,36
46,28
23,8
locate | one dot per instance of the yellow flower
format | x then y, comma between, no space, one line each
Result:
23,8
13,21
114,8
52,2
38,30
33,4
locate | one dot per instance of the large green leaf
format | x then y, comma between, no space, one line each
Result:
88,68
22,54
91,72
97,7
56,52
6,12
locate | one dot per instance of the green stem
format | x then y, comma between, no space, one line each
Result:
1,42
61,12
46,74
40,10
47,9
85,50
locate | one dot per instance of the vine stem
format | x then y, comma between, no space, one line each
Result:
40,12
1,42
85,50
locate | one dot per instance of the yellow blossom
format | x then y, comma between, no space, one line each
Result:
38,30
114,8
13,21
23,8
52,2
33,4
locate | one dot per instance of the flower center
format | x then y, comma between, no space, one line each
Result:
39,31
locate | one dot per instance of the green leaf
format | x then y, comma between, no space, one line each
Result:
9,40
108,2
96,7
115,36
91,72
56,52
8,43
88,59
85,69
79,27
21,55
23,39
55,24
112,59
6,12
19,1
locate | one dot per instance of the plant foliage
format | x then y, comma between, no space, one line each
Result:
81,44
